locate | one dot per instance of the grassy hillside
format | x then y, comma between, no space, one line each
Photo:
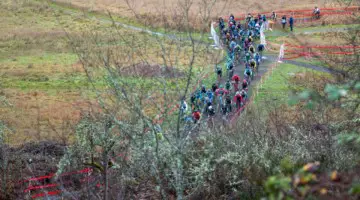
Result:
43,78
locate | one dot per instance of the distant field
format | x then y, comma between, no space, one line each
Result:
221,7
169,13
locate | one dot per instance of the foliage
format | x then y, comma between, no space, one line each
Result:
309,182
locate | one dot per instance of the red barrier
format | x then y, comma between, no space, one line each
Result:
324,47
86,170
51,193
40,187
303,12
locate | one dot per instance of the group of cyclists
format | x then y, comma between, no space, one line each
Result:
229,93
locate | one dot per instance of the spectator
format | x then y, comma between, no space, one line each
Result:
291,23
283,21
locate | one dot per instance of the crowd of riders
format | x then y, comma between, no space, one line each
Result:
229,93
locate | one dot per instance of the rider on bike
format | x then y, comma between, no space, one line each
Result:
260,49
228,103
245,85
247,56
214,87
210,95
196,116
252,49
248,74
236,81
230,71
221,24
220,93
219,73
228,85
203,89
244,95
316,12
238,100
253,65
257,59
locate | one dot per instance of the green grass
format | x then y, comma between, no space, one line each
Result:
276,87
312,61
46,58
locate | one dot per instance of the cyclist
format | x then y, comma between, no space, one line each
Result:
211,114
238,100
193,102
221,24
220,93
196,116
203,89
317,12
252,49
219,73
237,52
230,71
236,81
257,59
248,75
245,85
260,49
228,107
214,87
253,66
247,56
184,106
228,85
244,95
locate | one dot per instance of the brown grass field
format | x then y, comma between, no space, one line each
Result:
220,7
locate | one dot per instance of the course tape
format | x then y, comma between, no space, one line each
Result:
51,193
303,12
322,53
86,170
324,47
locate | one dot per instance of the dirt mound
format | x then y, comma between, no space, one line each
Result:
47,148
32,159
150,71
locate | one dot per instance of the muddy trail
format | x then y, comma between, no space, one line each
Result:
239,69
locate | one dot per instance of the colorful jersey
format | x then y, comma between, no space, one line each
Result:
236,78
221,91
196,115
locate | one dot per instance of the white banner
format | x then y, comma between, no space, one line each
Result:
215,36
281,53
262,35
